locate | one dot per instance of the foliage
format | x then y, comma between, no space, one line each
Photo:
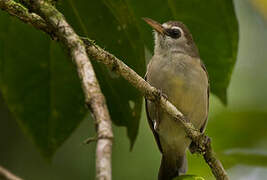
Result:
40,84
189,177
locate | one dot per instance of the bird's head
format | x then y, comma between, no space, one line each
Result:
172,37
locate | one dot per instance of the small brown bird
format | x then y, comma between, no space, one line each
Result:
177,70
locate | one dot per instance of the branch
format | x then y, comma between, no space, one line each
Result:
114,64
94,98
19,11
6,175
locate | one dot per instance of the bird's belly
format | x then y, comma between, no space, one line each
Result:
181,93
172,136
187,90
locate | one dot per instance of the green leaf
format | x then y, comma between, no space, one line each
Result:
40,85
113,27
240,122
214,28
238,137
216,34
189,177
52,78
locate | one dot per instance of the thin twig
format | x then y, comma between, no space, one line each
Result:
202,141
7,175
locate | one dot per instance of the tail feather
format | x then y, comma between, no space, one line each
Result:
183,168
170,168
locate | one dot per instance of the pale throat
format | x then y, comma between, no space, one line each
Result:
177,49
164,46
169,49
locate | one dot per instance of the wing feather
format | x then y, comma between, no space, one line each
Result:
208,92
151,124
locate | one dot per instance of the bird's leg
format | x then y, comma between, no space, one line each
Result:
196,148
161,93
193,148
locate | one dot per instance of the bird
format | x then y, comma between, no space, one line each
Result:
177,71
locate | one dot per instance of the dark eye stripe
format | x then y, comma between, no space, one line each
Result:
174,33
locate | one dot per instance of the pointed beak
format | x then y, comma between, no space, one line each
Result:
155,25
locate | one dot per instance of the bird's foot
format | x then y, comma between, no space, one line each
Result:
193,148
200,146
161,93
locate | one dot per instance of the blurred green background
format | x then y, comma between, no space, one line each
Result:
238,131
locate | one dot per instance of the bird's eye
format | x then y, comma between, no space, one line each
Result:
174,33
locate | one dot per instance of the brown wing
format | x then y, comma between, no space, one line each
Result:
193,146
151,125
208,92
